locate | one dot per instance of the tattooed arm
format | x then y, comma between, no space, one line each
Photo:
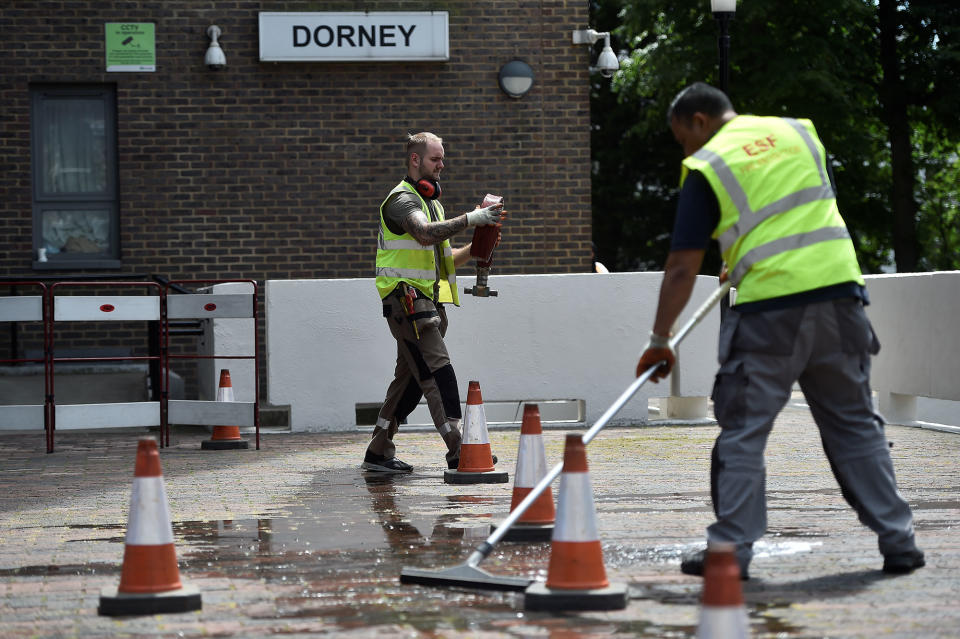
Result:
429,233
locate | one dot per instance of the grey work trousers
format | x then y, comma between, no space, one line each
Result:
423,369
826,346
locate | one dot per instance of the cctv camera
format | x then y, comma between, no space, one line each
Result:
214,58
607,63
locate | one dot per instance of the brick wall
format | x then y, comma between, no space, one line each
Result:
276,170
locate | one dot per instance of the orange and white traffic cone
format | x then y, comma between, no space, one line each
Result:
722,613
476,460
150,580
225,437
536,523
576,577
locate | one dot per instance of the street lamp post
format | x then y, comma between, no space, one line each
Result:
723,11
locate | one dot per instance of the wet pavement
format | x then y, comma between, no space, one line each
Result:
294,540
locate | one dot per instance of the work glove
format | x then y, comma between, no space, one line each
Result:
485,217
657,350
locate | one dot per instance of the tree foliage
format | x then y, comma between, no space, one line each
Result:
819,59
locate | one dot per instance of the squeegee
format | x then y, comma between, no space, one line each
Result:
469,574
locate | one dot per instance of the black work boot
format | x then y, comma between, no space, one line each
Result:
692,564
452,438
903,563
380,464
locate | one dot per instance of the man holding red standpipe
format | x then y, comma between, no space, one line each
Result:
416,277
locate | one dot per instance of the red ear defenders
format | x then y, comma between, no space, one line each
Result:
428,188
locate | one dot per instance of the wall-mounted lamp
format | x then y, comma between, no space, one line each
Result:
607,63
214,58
516,78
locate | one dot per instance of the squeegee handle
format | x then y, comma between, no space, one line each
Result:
700,313
484,549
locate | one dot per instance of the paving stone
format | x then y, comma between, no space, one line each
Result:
295,540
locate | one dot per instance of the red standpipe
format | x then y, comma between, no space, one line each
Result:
484,241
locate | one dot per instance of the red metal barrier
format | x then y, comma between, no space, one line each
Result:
154,306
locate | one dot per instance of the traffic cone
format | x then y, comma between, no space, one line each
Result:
476,460
576,577
225,437
150,580
722,613
536,523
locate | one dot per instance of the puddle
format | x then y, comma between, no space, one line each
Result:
333,557
623,555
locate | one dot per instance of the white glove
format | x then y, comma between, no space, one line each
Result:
485,217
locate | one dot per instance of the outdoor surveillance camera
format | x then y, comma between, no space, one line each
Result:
214,58
607,63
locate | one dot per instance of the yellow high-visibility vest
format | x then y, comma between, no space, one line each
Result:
780,230
401,258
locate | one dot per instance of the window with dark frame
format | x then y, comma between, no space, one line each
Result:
76,213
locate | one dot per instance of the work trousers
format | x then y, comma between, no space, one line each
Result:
826,346
423,370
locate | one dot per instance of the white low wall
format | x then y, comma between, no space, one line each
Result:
543,337
915,316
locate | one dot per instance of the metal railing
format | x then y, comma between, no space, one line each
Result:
169,309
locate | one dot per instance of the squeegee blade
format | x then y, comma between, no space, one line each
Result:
463,576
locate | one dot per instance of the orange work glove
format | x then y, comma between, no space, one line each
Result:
657,350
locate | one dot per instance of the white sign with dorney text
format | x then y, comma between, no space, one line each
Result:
354,36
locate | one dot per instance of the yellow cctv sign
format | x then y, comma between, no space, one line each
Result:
130,46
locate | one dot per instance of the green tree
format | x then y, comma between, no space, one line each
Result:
820,59
938,225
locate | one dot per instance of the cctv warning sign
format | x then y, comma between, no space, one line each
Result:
130,46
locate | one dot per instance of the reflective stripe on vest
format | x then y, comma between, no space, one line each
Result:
795,164
785,244
408,245
405,273
402,258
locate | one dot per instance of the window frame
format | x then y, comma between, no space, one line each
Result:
109,199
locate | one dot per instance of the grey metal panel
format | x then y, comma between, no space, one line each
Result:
564,410
25,417
106,307
123,415
182,411
21,309
203,306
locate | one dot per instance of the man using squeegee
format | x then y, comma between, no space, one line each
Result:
761,187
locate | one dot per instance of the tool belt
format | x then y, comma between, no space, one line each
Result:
418,309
